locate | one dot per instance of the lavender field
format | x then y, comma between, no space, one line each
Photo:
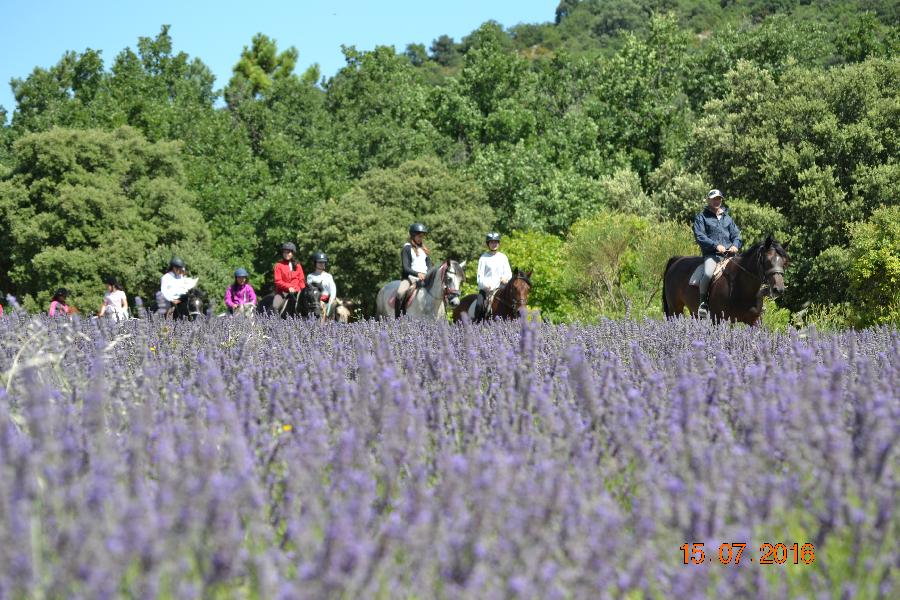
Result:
283,459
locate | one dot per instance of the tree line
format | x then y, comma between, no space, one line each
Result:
589,141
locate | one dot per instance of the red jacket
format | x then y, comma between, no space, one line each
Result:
285,278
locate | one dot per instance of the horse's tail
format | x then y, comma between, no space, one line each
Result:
666,270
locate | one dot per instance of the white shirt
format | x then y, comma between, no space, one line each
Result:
326,281
171,286
491,268
418,260
115,302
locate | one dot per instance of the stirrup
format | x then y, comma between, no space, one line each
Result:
703,310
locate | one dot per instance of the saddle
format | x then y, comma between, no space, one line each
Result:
488,306
697,275
407,300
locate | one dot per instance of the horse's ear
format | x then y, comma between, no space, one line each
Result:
528,274
768,241
462,265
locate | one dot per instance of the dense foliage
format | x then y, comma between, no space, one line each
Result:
630,106
233,458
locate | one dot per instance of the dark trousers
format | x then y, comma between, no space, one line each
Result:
481,304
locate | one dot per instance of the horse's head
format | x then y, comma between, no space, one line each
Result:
454,277
194,302
518,289
772,260
309,299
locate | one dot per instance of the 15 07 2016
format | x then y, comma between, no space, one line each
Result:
732,553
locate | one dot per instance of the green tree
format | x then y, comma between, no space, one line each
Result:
445,51
543,254
819,148
875,266
259,67
417,54
378,108
80,205
564,9
617,262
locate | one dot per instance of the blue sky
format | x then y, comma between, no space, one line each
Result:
37,33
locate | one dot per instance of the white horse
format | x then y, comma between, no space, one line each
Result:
440,288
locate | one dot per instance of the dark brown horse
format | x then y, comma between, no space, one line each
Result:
736,295
507,302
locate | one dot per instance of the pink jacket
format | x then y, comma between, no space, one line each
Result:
236,295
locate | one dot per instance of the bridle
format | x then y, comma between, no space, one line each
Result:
447,293
514,305
763,279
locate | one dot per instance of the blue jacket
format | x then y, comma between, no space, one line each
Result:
710,231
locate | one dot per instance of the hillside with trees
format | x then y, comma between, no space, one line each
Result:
588,141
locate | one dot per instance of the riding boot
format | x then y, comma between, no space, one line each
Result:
398,306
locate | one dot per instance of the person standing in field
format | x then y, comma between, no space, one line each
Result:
115,303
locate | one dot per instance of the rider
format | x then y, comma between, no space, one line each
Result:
115,302
416,260
172,286
289,277
493,272
58,305
323,278
716,233
240,292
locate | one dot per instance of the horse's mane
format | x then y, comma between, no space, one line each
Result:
433,271
429,277
759,246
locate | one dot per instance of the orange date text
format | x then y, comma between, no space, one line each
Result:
733,553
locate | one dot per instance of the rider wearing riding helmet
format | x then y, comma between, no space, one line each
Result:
324,279
58,305
172,285
416,261
240,292
493,272
717,235
289,277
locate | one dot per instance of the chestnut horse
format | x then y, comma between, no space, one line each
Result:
737,294
507,302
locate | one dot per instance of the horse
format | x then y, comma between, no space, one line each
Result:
190,307
506,303
737,294
245,310
297,304
430,299
342,312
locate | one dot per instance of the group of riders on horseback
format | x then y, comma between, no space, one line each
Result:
720,284
296,294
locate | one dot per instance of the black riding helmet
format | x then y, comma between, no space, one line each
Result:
288,246
417,228
491,236
61,293
176,262
319,257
